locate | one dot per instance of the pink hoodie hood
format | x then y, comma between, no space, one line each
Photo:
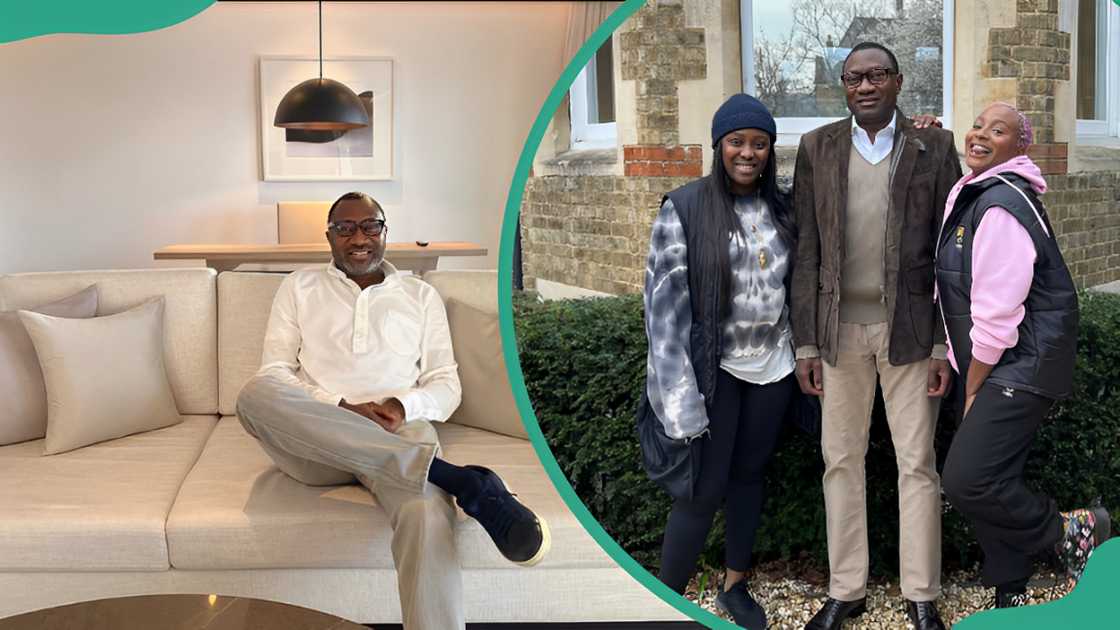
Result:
1020,165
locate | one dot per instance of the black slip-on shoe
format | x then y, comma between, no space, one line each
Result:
738,602
832,615
520,535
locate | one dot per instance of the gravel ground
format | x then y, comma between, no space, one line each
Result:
790,602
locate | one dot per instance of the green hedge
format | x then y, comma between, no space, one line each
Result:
584,366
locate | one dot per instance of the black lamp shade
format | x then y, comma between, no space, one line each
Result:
321,104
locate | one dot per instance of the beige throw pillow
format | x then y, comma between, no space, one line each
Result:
105,376
487,398
23,414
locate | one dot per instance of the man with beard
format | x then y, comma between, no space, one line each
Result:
357,364
868,194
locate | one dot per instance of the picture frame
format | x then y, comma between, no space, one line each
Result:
364,154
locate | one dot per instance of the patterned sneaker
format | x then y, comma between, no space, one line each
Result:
1082,532
520,535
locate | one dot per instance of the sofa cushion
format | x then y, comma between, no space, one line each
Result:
21,377
487,401
236,510
478,290
100,508
105,376
190,318
244,303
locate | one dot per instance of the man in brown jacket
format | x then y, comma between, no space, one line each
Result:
869,192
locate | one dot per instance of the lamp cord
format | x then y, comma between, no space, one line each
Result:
320,40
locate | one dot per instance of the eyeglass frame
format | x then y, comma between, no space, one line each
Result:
866,75
383,227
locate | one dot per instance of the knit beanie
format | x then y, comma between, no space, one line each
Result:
742,111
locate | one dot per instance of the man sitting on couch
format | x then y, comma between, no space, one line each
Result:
357,364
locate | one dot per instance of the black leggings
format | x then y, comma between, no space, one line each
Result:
983,479
744,421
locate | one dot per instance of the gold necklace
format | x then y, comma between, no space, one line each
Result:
755,238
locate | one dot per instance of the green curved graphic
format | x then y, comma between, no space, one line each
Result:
509,343
1086,604
20,20
1085,607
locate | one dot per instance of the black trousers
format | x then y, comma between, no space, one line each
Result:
983,479
744,422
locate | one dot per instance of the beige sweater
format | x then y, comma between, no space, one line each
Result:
865,230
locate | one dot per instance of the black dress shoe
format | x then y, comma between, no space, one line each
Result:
832,615
923,616
738,602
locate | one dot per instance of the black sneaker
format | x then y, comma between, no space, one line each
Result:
521,536
1011,599
737,602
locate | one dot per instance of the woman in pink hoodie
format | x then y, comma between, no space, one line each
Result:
1010,311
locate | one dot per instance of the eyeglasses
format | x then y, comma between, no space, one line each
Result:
369,227
877,77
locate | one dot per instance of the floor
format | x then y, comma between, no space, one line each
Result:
177,612
211,612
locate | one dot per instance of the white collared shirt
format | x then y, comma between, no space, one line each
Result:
874,152
390,340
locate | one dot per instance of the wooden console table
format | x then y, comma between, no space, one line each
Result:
405,256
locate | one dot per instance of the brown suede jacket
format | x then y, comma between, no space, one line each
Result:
921,179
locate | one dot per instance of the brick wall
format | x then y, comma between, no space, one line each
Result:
651,161
592,231
1085,211
1037,54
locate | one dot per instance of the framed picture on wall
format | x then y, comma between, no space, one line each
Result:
294,155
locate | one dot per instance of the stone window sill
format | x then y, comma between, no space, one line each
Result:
582,162
1095,154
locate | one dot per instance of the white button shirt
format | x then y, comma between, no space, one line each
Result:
390,340
874,152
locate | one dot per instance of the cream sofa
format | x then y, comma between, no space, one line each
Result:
199,508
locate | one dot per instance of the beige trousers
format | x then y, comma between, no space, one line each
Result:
320,445
849,393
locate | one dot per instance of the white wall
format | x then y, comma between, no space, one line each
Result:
113,146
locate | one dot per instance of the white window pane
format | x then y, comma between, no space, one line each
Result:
592,102
800,46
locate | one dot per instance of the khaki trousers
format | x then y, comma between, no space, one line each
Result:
849,393
320,445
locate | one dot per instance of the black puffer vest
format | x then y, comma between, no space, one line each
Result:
704,336
1043,360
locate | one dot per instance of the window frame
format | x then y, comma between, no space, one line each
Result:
790,129
582,99
1109,126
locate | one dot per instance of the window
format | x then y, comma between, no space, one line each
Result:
793,53
592,99
1098,68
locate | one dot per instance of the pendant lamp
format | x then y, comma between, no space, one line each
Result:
321,104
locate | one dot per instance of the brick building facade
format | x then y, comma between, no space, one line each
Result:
586,215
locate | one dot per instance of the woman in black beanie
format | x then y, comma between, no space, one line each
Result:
720,363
